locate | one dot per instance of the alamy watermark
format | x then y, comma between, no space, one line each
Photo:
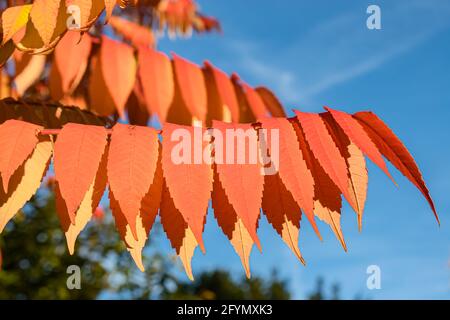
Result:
234,146
373,281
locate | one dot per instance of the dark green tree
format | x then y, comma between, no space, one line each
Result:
219,285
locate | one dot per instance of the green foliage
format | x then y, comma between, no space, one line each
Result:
219,285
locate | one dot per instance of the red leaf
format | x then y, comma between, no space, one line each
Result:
293,170
18,140
155,72
325,151
71,56
282,212
179,233
242,180
78,152
231,225
327,197
356,165
225,91
132,163
119,70
255,102
394,150
144,220
358,136
188,177
192,86
271,101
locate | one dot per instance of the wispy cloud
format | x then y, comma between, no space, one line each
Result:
341,49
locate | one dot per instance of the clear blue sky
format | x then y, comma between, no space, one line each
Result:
315,53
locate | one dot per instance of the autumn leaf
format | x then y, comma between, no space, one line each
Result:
231,225
71,59
192,87
179,233
18,140
155,72
78,153
100,100
109,7
132,163
240,176
271,101
327,196
25,181
359,137
356,165
187,176
86,209
282,212
44,14
144,219
118,66
225,91
13,20
255,101
394,150
292,168
326,151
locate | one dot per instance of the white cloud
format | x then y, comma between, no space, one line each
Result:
341,49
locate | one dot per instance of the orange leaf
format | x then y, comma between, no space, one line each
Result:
109,8
327,197
188,178
292,167
394,150
25,181
100,100
255,102
271,101
356,165
17,140
144,220
87,206
132,163
282,212
225,91
71,58
78,152
242,180
359,137
44,14
119,71
179,233
326,151
192,86
231,225
155,72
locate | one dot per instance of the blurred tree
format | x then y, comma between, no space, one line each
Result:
35,259
219,285
320,294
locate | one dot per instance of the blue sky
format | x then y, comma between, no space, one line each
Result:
315,53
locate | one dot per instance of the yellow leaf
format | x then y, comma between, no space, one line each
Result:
187,251
358,179
242,243
25,182
14,19
44,15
